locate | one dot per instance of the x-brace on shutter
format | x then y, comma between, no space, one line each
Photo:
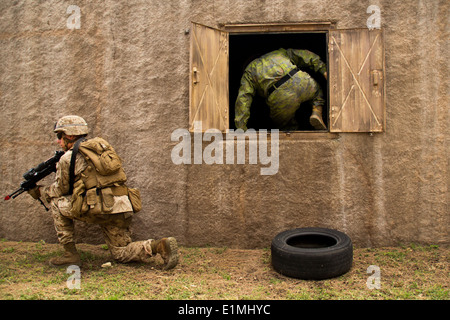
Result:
356,80
209,100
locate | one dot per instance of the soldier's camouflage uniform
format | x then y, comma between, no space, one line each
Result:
115,225
262,73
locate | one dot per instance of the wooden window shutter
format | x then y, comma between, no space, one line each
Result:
357,80
209,99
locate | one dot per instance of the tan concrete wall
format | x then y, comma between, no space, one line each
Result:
126,71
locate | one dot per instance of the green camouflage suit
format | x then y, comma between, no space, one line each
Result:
262,73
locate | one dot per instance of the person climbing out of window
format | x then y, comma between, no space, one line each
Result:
279,78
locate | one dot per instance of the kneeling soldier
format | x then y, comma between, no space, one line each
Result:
90,187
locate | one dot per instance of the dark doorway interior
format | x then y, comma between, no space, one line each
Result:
246,47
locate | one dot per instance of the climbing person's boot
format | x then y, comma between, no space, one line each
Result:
70,257
316,118
168,249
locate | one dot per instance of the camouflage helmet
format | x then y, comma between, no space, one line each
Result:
72,126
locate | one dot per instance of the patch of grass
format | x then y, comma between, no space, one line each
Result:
406,272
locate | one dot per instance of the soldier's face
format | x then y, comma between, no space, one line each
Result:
65,141
60,141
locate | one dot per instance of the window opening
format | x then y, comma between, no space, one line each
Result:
354,92
245,47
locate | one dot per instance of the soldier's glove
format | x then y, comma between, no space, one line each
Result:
35,192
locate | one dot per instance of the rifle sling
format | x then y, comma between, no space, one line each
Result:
76,146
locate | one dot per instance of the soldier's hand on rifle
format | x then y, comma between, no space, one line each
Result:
35,192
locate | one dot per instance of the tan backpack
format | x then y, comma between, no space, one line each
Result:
103,179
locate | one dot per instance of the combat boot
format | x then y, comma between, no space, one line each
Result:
316,118
70,257
168,249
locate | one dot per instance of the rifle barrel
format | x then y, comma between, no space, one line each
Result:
15,193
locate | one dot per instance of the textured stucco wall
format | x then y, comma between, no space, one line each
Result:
126,71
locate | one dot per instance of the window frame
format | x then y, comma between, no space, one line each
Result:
215,114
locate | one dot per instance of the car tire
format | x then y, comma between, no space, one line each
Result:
312,253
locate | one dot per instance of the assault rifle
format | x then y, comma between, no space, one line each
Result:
33,175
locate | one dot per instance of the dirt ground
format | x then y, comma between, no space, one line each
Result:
406,272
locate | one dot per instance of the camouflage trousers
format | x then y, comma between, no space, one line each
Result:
288,98
115,227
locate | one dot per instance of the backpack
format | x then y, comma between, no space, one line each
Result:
104,164
103,178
